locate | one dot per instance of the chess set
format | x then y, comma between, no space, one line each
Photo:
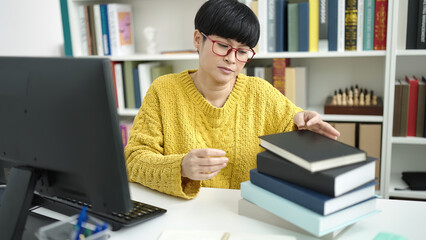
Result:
354,101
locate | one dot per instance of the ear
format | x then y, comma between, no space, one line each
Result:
198,39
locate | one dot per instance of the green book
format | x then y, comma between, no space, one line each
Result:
157,71
368,24
129,87
293,26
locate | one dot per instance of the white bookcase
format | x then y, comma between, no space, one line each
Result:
326,72
403,153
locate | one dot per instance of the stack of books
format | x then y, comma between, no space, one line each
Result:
310,183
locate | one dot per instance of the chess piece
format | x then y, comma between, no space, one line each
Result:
344,99
334,99
151,44
356,96
361,98
350,98
367,98
373,98
339,97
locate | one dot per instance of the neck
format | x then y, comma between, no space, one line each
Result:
215,93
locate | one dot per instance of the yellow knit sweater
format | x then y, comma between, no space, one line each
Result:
175,118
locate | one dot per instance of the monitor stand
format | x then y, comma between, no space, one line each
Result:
15,202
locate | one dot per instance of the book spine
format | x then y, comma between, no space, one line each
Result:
341,26
412,22
113,28
88,30
380,24
313,25
303,26
412,106
396,130
287,171
323,26
137,88
351,21
293,27
118,70
98,29
332,25
83,33
368,37
287,190
66,28
280,25
360,26
105,29
278,73
424,122
421,25
404,107
421,103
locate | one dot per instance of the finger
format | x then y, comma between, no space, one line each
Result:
207,176
212,161
214,168
299,120
316,119
207,152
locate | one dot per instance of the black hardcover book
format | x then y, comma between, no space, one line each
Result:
412,20
333,182
421,26
415,180
311,150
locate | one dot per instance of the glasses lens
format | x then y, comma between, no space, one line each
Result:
242,54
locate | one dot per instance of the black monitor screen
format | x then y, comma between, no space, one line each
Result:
59,130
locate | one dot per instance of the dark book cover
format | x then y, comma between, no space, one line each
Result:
412,21
351,24
323,25
311,150
396,130
332,25
424,127
280,25
315,201
421,26
304,27
415,180
404,108
333,182
421,102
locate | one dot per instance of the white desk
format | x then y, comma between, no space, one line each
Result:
217,209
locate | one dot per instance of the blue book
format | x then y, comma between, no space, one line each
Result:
280,25
304,218
66,28
315,201
137,89
304,27
332,25
105,29
369,6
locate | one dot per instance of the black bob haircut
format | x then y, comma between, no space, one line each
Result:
228,19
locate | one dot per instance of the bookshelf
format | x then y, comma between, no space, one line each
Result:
326,71
403,153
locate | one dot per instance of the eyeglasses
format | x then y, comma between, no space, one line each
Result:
223,49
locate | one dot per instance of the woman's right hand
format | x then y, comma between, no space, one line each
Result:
203,164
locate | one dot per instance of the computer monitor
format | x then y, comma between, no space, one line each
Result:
59,131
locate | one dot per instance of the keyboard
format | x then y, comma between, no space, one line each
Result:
140,212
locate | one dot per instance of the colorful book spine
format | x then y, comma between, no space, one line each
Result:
332,25
368,37
351,22
313,25
280,25
323,26
137,90
105,29
412,105
278,73
66,28
293,27
380,24
303,26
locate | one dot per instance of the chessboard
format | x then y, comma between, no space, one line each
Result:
330,108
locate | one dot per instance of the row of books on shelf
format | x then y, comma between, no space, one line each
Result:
321,25
413,14
132,80
317,190
409,107
97,29
289,80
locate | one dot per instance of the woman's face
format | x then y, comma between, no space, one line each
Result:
221,69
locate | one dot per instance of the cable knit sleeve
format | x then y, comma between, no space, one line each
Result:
146,161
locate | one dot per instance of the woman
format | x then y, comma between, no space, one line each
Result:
200,128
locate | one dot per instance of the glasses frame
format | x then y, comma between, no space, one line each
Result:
229,50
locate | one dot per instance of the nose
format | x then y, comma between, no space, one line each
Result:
231,57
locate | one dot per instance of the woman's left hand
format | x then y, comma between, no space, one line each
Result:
312,121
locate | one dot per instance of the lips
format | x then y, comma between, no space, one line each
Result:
226,70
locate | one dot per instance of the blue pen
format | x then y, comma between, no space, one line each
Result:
82,218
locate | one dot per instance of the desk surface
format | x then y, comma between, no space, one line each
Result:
217,210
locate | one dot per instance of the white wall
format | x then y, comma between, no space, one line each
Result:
30,28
